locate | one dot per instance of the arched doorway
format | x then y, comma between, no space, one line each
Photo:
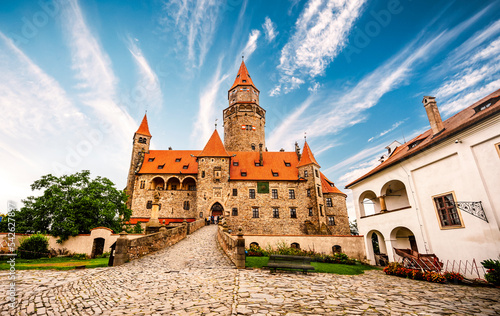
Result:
376,248
403,238
217,209
97,247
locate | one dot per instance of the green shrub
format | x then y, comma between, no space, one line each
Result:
80,256
34,247
104,255
493,271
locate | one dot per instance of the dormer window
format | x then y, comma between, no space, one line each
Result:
243,173
151,159
287,164
178,159
235,163
257,164
161,166
275,174
244,81
485,105
185,166
414,144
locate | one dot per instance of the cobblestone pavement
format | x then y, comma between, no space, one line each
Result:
193,277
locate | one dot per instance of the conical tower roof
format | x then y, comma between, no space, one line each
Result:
243,77
144,128
307,157
214,147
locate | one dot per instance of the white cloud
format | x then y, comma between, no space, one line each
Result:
314,87
321,32
393,127
358,171
195,22
204,125
251,44
269,29
96,80
148,89
464,100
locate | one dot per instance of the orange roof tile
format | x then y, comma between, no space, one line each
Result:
453,125
167,159
307,157
327,186
243,77
143,128
214,147
271,162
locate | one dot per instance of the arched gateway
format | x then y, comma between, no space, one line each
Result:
217,209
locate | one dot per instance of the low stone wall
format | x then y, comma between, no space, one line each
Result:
353,246
142,246
233,246
194,226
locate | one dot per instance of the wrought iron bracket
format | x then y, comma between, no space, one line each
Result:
473,208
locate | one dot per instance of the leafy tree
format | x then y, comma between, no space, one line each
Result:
72,205
354,227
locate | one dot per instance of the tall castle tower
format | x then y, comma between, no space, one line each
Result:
244,119
142,139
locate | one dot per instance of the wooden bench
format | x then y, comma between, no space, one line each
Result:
289,262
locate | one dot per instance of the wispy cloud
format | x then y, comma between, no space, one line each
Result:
393,127
195,23
148,85
251,44
338,110
321,32
96,80
204,125
269,29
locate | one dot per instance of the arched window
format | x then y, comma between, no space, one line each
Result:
253,146
295,245
254,245
337,249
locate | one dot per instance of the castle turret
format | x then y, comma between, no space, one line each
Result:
244,119
142,139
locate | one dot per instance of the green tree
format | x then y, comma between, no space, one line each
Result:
72,205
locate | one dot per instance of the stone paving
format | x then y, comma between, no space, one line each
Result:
194,277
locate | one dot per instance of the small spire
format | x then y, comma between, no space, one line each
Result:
216,123
144,128
305,135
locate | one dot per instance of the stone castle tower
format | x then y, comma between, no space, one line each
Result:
141,142
244,119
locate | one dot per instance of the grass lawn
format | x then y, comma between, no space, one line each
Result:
259,262
60,263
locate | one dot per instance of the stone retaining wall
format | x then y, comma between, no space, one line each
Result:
233,246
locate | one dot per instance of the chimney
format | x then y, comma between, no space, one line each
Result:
260,155
297,150
431,108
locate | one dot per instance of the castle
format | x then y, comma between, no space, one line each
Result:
273,193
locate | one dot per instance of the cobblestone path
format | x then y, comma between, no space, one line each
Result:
193,277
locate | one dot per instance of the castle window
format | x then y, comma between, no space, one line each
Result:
248,127
251,193
149,205
255,212
151,159
201,214
331,220
253,147
185,166
305,174
329,202
244,81
274,193
276,213
203,174
319,191
293,212
317,173
173,187
447,210
287,164
308,192
295,245
321,209
161,166
192,187
291,193
186,205
235,192
143,184
234,212
217,172
310,211
142,140
178,159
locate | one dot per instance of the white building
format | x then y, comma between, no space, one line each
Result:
440,192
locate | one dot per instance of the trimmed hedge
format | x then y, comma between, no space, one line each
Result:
34,247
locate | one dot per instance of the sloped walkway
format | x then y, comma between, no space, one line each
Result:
193,277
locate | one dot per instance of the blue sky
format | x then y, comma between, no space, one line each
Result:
76,77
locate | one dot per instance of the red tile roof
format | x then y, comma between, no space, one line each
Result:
327,186
307,157
453,125
167,159
143,128
214,147
272,162
243,77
